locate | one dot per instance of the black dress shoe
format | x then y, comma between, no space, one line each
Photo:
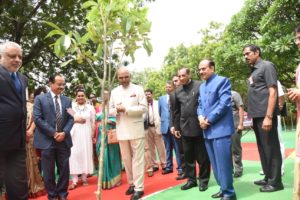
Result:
229,198
217,195
181,177
270,188
167,171
260,182
202,187
188,185
155,169
130,190
237,174
137,195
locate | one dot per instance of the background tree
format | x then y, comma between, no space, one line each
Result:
21,22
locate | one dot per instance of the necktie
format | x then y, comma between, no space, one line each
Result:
16,83
58,115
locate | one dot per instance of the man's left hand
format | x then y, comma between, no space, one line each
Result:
267,124
59,136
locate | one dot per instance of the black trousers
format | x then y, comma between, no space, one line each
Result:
13,174
195,151
269,151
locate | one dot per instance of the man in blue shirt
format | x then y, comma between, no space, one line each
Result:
216,120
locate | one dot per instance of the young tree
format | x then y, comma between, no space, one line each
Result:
116,28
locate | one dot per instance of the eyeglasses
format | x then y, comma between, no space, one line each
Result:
123,77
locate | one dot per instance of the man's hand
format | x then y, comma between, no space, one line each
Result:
203,122
177,134
29,134
172,130
120,108
240,128
267,124
59,136
294,94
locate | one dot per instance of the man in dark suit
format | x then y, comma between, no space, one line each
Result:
52,136
177,136
13,87
186,122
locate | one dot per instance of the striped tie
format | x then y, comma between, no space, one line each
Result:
58,116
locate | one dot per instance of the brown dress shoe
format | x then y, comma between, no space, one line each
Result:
73,186
150,174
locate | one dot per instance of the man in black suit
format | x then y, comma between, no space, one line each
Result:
13,87
178,139
52,136
186,123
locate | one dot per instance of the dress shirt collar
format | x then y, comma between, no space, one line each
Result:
53,95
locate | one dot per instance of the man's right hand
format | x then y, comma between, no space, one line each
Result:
177,134
172,130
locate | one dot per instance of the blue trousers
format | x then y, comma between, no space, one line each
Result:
170,144
219,152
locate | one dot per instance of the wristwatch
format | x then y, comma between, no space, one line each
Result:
269,116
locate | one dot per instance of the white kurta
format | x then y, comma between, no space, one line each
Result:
81,159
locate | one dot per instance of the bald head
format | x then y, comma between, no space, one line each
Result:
123,76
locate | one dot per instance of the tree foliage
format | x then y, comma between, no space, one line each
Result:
267,23
22,22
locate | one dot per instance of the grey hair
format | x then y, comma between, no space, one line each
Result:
6,44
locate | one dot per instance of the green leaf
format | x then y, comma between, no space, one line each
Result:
76,36
57,47
89,4
85,38
53,26
54,32
128,25
99,52
65,42
148,47
66,63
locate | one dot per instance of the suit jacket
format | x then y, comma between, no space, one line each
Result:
12,111
164,112
130,125
172,108
185,111
215,105
45,120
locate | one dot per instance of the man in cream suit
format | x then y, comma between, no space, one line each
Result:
153,137
128,103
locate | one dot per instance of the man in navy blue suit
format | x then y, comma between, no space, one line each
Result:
169,139
216,120
12,122
52,136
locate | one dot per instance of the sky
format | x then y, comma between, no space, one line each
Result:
178,21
